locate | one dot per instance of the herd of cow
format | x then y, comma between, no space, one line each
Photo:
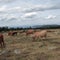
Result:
35,34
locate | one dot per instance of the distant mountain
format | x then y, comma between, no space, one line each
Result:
36,26
46,26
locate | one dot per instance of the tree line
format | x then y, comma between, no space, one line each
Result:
21,28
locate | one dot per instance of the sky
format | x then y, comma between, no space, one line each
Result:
29,12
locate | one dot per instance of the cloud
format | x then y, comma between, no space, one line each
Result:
15,8
38,8
50,17
30,15
11,16
35,8
8,17
20,12
6,1
7,9
3,8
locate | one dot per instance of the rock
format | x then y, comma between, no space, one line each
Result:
5,52
52,47
17,51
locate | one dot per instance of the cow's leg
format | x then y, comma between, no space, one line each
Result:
45,36
34,38
3,44
41,38
16,33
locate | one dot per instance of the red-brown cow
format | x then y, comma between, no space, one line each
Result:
2,41
9,33
41,34
12,33
30,32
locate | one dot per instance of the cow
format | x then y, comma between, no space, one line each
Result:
14,33
11,33
30,32
50,31
42,34
2,43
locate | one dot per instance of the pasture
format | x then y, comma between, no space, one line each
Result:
22,47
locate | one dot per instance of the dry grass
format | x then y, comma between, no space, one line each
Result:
22,47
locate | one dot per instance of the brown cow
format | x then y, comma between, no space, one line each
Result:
14,33
50,31
41,34
11,33
2,41
30,32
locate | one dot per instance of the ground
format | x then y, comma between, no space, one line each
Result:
22,47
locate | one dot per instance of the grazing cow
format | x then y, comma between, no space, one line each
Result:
12,33
2,41
9,33
50,31
30,32
41,34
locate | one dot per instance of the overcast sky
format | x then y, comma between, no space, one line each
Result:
29,12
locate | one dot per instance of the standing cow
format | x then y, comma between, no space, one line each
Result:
2,44
30,32
41,34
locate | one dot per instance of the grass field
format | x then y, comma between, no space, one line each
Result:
22,47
